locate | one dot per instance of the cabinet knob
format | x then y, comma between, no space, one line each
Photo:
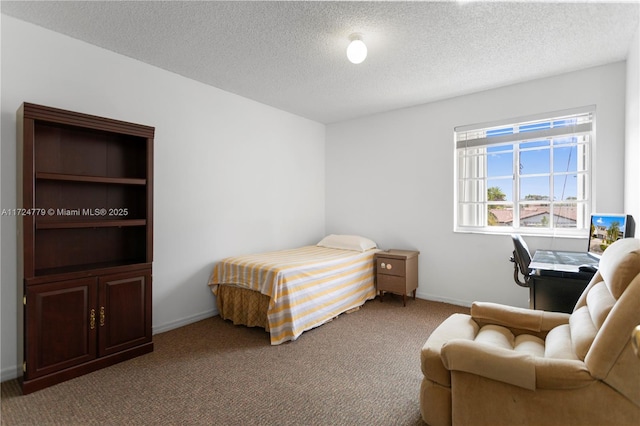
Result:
92,319
389,266
382,265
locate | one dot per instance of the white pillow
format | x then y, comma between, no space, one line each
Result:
347,242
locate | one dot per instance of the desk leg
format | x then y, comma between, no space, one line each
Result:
532,295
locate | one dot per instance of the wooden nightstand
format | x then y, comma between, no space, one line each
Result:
397,272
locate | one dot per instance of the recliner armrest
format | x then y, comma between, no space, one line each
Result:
517,318
503,365
516,368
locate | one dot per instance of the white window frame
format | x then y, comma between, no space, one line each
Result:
471,178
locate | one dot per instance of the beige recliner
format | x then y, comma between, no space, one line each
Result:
513,366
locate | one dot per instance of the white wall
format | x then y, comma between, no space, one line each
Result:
632,152
390,177
231,175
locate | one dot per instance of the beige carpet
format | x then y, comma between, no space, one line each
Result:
362,368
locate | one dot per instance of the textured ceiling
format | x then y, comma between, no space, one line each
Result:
291,55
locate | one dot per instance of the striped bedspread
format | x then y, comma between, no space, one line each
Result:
307,286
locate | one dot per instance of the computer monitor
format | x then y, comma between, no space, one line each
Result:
608,228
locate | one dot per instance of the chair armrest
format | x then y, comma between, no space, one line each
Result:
516,368
517,318
503,365
553,373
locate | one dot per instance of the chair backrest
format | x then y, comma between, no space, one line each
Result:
521,258
605,316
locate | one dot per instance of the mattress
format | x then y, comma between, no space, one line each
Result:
306,286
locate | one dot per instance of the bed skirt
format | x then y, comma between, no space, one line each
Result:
243,306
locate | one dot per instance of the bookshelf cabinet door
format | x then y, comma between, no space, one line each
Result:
60,325
124,311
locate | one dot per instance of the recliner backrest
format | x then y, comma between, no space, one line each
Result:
605,316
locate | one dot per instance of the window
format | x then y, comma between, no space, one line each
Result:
532,173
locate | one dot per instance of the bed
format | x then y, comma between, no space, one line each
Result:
288,292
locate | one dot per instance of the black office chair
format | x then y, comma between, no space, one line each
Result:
521,259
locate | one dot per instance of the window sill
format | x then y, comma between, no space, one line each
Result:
526,232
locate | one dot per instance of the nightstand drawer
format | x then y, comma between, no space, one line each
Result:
392,284
390,266
397,272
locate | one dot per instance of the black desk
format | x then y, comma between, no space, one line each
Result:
555,283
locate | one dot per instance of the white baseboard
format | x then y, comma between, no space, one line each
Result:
10,373
184,321
434,298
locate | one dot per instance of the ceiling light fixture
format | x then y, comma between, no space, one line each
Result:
357,50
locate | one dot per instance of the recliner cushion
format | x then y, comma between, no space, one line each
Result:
558,344
583,331
529,344
599,302
502,337
495,335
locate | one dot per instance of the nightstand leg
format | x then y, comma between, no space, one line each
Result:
381,295
414,295
404,299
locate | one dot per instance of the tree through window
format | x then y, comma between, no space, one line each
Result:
529,173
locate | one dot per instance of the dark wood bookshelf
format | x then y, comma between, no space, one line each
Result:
86,244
